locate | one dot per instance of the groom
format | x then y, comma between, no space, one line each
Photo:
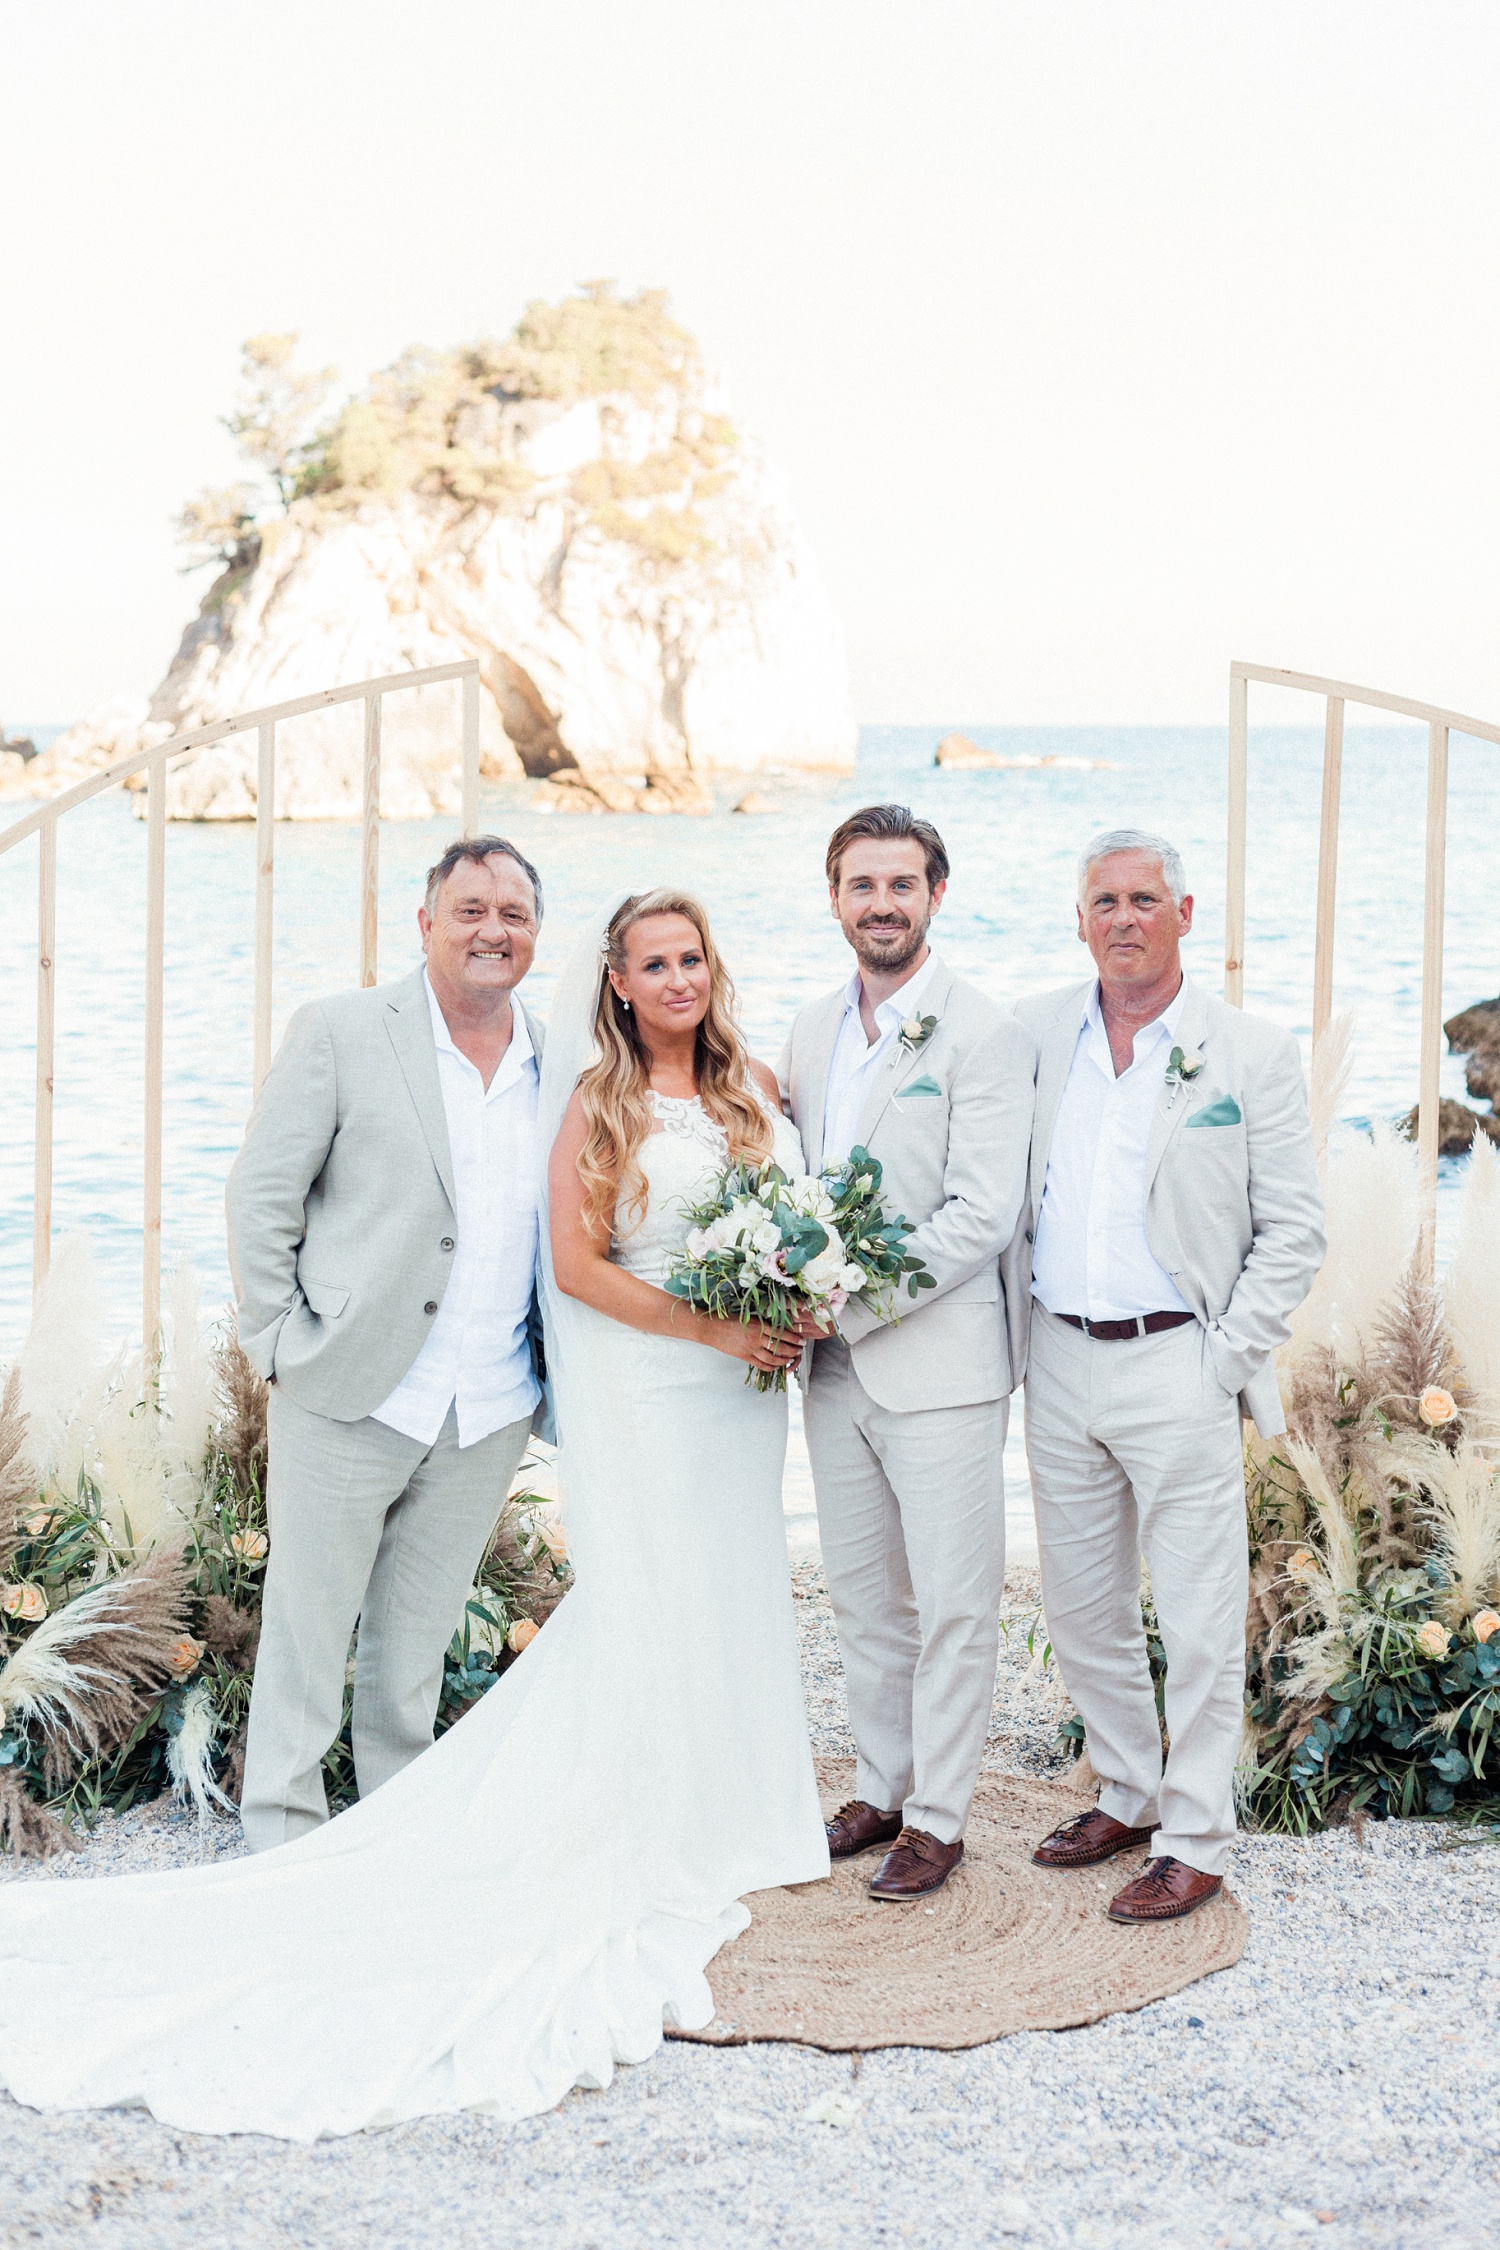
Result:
383,1244
906,1425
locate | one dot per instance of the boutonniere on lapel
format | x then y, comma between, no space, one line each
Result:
1183,1066
915,1033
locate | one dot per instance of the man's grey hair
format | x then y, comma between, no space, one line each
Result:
1133,840
479,849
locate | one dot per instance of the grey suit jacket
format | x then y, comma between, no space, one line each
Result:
1234,1210
341,1205
950,1125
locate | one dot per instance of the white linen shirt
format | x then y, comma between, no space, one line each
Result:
855,1058
477,1355
1091,1255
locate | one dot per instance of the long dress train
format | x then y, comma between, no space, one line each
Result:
517,1911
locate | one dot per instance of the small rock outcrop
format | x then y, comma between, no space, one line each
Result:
962,753
1474,1032
1457,1126
570,507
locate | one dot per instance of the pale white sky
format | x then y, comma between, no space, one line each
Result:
1102,340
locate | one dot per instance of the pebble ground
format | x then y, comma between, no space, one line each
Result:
1342,2083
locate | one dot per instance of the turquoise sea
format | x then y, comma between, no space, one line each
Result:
1008,924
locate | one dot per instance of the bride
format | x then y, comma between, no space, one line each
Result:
520,1909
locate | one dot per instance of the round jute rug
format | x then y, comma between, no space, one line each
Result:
1004,1946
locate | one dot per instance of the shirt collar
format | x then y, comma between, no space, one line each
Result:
1160,1027
517,1054
903,1002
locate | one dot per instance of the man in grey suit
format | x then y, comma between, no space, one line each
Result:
906,1425
383,1244
1176,1224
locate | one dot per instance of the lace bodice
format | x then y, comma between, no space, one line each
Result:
681,1160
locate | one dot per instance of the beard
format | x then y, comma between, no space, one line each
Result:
888,947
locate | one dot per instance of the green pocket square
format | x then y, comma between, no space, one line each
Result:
1225,1111
922,1085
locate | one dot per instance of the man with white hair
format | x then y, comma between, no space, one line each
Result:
1175,1224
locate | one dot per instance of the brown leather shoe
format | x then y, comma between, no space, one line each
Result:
1164,1889
855,1827
918,1864
1086,1839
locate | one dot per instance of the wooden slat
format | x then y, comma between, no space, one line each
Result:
369,854
1328,867
1234,880
156,892
265,881
1431,714
471,754
196,737
46,1022
1432,980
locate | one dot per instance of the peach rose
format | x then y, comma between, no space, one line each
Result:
521,1635
1485,1623
28,1603
184,1657
554,1539
250,1546
1434,1639
35,1525
1436,1407
1303,1565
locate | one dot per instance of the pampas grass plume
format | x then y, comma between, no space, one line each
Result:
90,1671
18,1479
64,1356
1462,1506
1374,1215
1332,1060
27,1829
190,1752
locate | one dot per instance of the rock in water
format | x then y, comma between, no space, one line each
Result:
569,507
1457,1126
960,751
1475,1032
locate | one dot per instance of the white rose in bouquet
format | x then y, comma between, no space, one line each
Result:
825,1273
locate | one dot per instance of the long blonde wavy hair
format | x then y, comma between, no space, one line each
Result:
616,1087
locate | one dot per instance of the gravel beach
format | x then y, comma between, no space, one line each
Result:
1342,2082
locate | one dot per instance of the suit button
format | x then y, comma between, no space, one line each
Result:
446,1243
1028,1234
431,1305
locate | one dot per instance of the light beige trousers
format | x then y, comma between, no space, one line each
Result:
911,1515
366,1525
1135,1449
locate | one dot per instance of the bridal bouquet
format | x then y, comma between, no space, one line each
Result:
767,1247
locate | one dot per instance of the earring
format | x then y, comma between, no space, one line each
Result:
624,1003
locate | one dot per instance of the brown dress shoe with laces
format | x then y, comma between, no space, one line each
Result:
918,1864
1086,1839
855,1827
1164,1889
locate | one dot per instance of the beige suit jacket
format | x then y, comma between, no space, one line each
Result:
341,1205
1234,1210
949,1124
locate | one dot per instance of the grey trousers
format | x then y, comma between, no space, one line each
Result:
372,1526
1135,1450
911,1514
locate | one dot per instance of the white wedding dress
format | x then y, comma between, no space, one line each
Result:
517,1911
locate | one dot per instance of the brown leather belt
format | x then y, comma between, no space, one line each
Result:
1119,1331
